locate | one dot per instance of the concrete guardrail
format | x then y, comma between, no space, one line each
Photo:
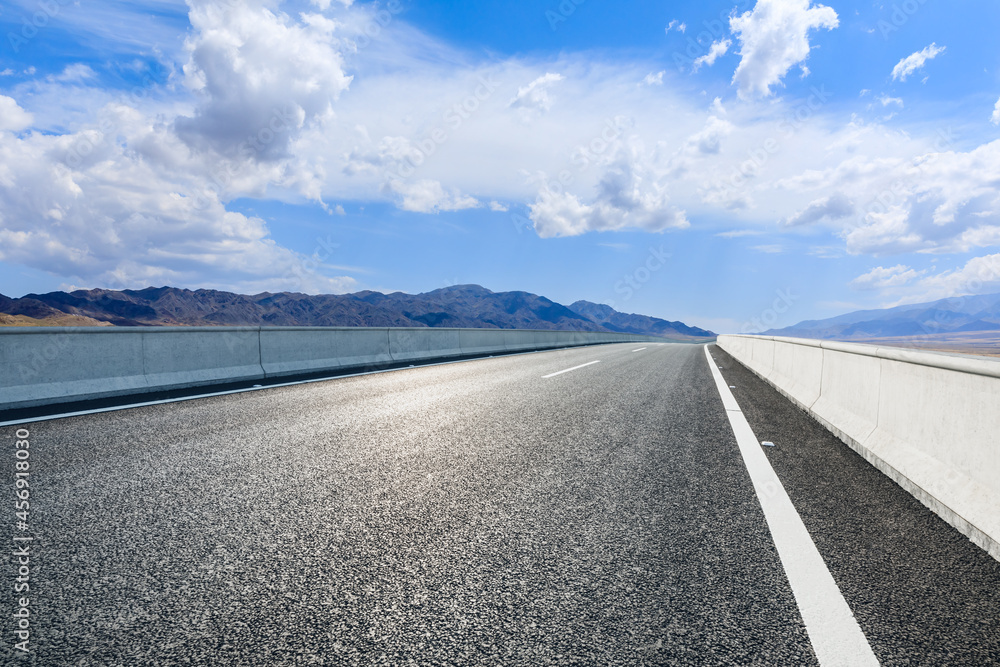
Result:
51,365
930,421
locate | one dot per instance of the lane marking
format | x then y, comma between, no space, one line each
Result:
833,631
552,375
639,350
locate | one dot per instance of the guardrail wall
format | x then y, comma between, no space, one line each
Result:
930,421
45,366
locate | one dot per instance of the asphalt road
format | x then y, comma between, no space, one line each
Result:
473,513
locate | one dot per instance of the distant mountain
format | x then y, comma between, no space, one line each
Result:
953,315
466,306
612,320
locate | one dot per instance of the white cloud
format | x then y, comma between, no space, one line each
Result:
428,196
835,207
260,78
12,117
7,72
995,118
881,277
885,101
323,5
75,73
129,216
739,233
915,61
497,207
676,25
717,49
884,231
534,98
980,275
654,79
628,197
709,140
773,38
605,157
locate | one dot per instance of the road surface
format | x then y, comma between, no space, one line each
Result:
490,512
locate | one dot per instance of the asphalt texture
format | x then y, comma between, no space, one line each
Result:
922,593
473,514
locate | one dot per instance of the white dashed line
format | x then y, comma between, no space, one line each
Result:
833,631
589,363
639,350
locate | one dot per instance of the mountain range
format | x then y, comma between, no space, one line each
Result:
945,316
464,306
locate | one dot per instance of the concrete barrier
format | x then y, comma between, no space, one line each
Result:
927,420
194,356
45,366
481,341
40,366
417,344
288,351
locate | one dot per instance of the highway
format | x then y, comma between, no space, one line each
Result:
588,506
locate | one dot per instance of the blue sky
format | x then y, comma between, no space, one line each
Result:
721,163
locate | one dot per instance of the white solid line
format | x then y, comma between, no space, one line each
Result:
639,350
833,631
589,363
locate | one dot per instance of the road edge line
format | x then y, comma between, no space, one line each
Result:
836,637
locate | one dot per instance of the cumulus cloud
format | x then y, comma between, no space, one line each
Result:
260,77
145,199
627,198
429,196
995,118
717,49
881,277
137,194
709,140
654,79
76,72
12,117
980,275
534,98
119,216
884,231
835,207
915,61
774,37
